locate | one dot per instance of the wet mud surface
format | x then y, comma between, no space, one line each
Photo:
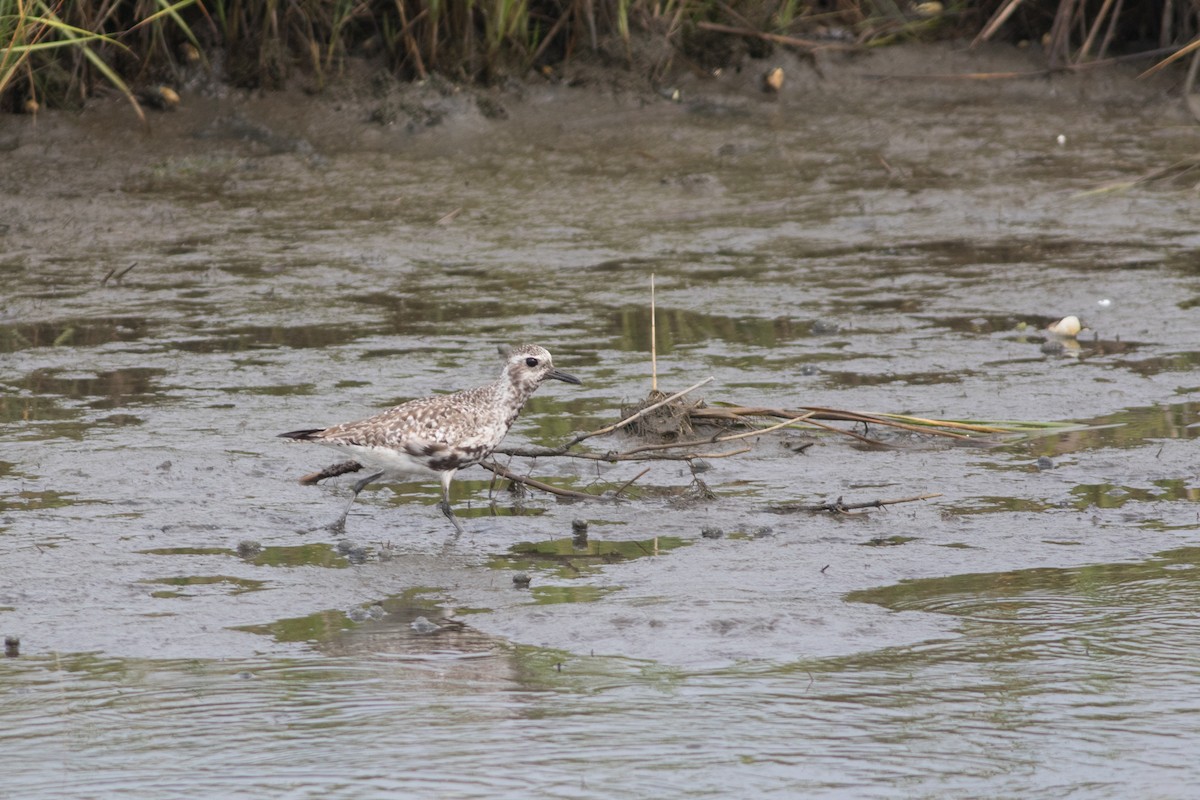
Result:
252,265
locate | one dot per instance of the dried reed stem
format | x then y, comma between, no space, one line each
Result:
653,341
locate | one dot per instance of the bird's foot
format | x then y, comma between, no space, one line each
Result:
444,507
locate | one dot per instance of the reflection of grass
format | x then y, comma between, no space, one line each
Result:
560,557
27,500
186,551
994,505
30,409
549,595
279,390
232,585
1022,594
1108,495
1130,427
328,625
319,627
888,541
676,327
76,332
318,554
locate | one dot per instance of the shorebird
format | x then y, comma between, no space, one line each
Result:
438,435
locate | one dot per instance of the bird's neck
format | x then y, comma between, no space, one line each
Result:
511,395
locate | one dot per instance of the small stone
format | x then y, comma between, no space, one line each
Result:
822,327
424,626
358,615
521,580
1045,462
579,533
712,533
248,548
12,646
772,81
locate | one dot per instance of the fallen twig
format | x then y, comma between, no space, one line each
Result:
114,275
838,507
536,484
629,483
631,455
449,217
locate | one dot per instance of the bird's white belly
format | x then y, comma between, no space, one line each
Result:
395,463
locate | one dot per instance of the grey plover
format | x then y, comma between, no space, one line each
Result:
442,434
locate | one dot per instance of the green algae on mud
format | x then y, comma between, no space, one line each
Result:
316,554
193,585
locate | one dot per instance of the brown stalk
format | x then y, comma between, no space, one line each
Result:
1059,48
629,483
838,507
1112,29
1095,30
536,484
410,42
1002,14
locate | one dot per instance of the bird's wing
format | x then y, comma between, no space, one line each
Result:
426,427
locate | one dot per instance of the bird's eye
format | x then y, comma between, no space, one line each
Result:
531,362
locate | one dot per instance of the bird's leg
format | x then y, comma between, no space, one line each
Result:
358,487
444,506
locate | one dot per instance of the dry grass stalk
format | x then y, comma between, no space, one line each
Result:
653,342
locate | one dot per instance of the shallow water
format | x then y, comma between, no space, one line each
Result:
188,626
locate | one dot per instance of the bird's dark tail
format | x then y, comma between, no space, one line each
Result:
302,436
332,471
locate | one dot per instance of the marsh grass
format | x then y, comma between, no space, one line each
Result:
61,51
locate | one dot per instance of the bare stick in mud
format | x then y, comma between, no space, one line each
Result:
503,472
840,507
629,483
